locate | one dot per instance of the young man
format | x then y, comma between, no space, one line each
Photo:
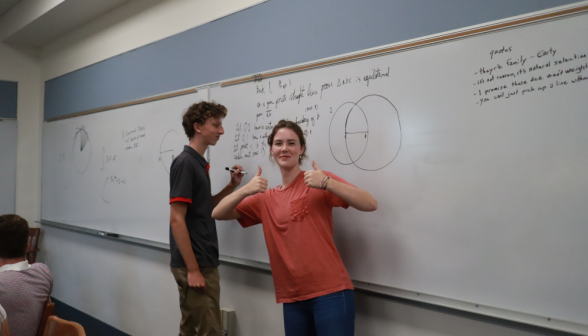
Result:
24,288
193,239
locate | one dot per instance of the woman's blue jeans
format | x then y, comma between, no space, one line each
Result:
327,315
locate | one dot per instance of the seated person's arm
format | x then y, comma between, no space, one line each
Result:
4,331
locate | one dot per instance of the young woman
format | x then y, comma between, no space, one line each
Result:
309,276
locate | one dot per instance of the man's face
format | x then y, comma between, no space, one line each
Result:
211,130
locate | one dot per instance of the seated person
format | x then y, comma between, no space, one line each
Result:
24,288
3,323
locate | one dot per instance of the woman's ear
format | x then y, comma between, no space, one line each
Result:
302,150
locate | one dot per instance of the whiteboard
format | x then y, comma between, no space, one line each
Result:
8,138
110,171
481,182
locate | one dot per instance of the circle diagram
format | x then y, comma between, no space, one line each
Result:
81,151
366,133
171,146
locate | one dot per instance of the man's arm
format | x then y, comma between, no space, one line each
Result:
182,238
236,178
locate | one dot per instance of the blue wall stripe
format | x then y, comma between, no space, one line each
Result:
92,325
8,99
271,35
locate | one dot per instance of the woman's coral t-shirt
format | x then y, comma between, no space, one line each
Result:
298,227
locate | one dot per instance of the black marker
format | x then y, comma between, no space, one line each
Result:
233,170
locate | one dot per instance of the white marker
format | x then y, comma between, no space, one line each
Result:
233,170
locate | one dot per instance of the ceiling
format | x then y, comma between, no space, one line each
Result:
5,5
51,24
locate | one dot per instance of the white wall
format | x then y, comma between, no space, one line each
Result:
22,65
131,288
134,24
128,286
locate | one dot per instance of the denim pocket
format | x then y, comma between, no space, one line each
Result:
299,208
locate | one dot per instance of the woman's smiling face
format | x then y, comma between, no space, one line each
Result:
286,148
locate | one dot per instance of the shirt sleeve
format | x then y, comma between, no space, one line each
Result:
180,182
249,210
332,199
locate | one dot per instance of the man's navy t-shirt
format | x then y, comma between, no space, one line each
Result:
189,182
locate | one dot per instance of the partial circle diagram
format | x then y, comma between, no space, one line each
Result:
366,133
171,146
82,151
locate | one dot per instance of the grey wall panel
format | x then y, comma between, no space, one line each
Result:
8,97
271,35
8,138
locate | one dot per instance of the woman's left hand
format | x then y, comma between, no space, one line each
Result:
313,178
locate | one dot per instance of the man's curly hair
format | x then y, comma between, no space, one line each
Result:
199,113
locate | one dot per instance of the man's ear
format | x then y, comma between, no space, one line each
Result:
197,128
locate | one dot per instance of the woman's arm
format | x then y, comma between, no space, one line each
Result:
355,197
225,210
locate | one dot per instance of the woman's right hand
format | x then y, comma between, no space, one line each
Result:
256,185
